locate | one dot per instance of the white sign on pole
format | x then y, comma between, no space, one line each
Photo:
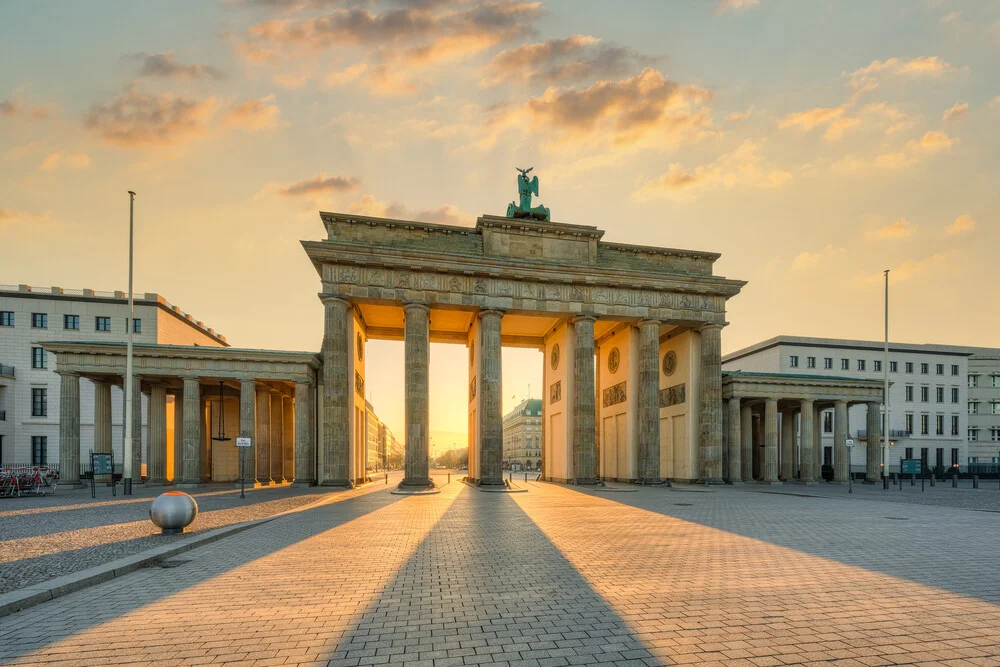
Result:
849,443
243,442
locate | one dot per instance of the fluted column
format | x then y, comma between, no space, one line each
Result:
248,427
277,437
156,450
710,448
69,429
584,403
337,393
818,444
873,460
807,471
417,402
490,398
287,438
649,401
787,445
735,472
746,442
770,472
192,431
178,443
263,427
102,417
136,429
841,462
305,456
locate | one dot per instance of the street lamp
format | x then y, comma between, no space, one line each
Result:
128,472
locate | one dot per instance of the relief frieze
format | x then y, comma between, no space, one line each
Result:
614,395
675,395
555,392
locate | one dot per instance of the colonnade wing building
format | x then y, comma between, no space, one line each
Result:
630,335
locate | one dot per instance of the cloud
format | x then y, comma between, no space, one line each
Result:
738,116
743,167
735,5
832,117
868,77
901,229
995,102
647,108
345,76
319,184
18,152
14,107
896,160
950,17
808,259
957,110
932,142
166,66
69,160
964,224
254,115
136,119
560,61
10,217
911,268
896,120
369,206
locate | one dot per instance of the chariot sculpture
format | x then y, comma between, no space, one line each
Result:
525,188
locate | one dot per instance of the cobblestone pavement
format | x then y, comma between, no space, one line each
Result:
553,576
985,498
46,537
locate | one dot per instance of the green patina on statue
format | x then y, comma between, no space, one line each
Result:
525,188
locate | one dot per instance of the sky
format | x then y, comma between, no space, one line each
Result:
813,144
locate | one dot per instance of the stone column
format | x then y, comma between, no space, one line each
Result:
787,445
277,426
417,350
490,398
841,462
873,470
248,428
178,443
287,438
770,472
584,403
156,456
69,429
807,472
263,427
735,473
102,416
649,401
710,449
305,456
746,442
136,428
192,432
818,444
337,393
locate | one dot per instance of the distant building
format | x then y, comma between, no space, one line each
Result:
29,386
522,436
984,406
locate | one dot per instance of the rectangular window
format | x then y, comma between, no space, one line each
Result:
995,434
939,394
827,422
996,381
995,407
71,322
954,394
925,424
908,366
793,361
861,364
39,450
893,366
909,392
39,402
939,457
811,362
954,457
973,434
973,381
954,424
923,457
973,407
939,369
909,426
925,369
845,364
876,365
102,323
39,358
925,393
954,369
939,424
6,318
909,453
136,325
828,363
39,321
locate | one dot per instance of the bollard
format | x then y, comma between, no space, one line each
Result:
975,481
932,479
922,482
954,481
387,479
885,482
525,476
912,479
449,478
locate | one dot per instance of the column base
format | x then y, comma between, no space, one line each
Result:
713,480
250,484
416,483
304,482
337,482
72,485
153,484
768,481
803,482
584,481
190,484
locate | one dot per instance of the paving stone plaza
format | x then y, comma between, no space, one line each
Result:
558,575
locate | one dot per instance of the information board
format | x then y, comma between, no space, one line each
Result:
243,442
910,466
102,464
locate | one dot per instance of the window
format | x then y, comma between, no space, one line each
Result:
845,364
908,366
939,394
909,453
793,361
828,363
39,358
909,392
923,457
939,369
39,402
954,424
876,365
995,434
973,434
973,407
893,366
827,422
925,394
909,425
71,322
954,369
954,394
939,425
924,424
811,362
996,381
995,407
939,457
973,381
136,325
6,318
39,450
861,364
39,321
924,369
954,457
102,323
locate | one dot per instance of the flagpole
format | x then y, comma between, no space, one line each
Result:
885,395
128,472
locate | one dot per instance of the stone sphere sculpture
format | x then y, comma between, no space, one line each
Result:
172,511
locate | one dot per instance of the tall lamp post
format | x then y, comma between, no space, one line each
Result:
128,472
885,395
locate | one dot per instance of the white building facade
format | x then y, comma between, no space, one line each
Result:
29,385
522,436
984,408
928,394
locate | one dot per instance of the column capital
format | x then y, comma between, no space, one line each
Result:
648,322
806,402
410,305
583,317
332,299
68,374
491,312
709,326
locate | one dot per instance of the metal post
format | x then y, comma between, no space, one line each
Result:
127,467
243,458
885,395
